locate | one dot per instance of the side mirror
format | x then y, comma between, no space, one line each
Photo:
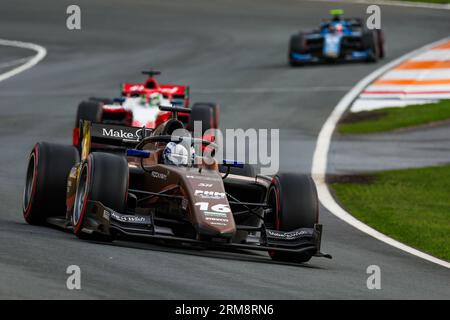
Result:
138,153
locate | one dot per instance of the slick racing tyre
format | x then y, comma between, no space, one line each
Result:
294,202
46,181
104,178
89,110
370,42
296,45
207,114
380,38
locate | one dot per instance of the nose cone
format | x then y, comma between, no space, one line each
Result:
225,231
213,214
210,211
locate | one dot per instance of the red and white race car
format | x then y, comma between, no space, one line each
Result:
176,94
139,107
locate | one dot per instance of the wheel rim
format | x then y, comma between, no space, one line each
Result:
272,220
272,200
30,182
81,196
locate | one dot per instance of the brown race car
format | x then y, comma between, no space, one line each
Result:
150,183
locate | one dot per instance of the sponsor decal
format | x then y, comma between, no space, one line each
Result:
169,90
137,87
138,133
218,223
117,134
289,235
215,214
203,178
159,175
205,185
106,215
184,203
217,219
129,218
204,194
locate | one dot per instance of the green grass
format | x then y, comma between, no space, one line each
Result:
412,206
394,118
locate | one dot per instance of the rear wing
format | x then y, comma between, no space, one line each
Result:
105,136
112,135
169,90
132,89
173,89
352,22
117,135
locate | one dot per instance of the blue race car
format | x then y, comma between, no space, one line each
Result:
339,39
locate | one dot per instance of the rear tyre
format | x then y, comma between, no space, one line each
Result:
207,114
103,178
89,110
46,181
294,202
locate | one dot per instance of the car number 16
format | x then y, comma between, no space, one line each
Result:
224,208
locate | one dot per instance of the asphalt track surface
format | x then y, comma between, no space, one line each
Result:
231,52
404,148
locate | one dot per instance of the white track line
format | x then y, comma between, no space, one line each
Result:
269,90
320,159
14,62
41,53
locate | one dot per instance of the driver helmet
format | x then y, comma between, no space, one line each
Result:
176,154
155,99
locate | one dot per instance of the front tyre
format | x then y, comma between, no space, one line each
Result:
297,44
46,181
294,202
104,178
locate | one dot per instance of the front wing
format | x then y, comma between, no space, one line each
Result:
316,58
100,219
